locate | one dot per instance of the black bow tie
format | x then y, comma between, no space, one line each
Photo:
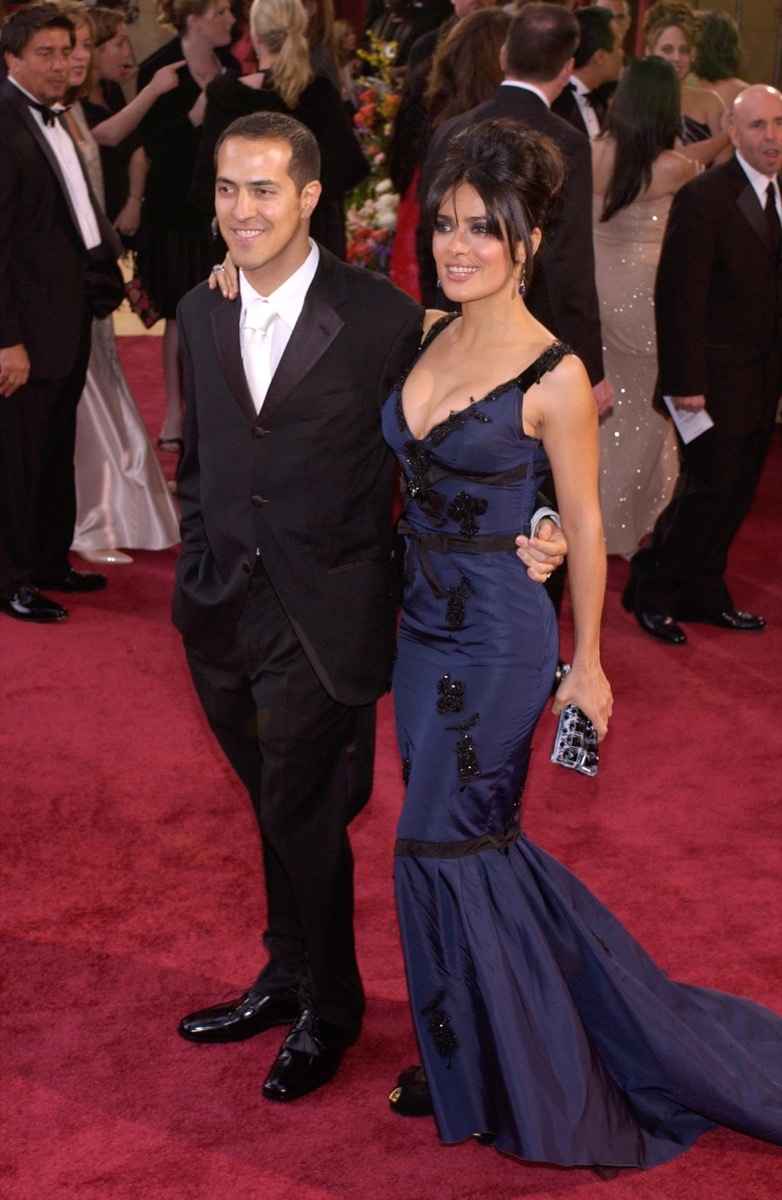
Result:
49,115
588,96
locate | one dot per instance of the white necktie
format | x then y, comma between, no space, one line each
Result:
257,349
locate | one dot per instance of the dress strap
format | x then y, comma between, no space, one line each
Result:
550,358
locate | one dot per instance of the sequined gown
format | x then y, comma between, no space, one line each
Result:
638,457
539,1019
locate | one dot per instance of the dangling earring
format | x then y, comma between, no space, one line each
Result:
438,283
522,288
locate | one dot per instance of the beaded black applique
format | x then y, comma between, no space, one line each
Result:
419,462
450,695
406,767
439,1025
466,751
464,508
513,816
454,421
457,598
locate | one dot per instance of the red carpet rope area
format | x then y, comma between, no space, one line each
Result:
132,885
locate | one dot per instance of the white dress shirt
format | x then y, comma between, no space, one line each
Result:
287,301
64,151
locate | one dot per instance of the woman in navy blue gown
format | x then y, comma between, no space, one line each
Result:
541,1023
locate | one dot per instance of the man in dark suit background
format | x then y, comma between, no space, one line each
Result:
537,60
718,305
597,64
285,591
57,263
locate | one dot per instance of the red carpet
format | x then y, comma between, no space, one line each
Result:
132,882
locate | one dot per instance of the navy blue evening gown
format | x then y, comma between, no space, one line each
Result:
539,1019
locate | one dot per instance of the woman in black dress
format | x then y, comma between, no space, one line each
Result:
285,83
174,240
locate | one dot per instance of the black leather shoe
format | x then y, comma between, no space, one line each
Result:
28,604
309,1057
240,1019
661,627
733,618
75,581
411,1096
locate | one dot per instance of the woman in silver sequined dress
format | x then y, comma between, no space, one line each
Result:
635,175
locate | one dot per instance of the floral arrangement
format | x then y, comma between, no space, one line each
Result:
371,207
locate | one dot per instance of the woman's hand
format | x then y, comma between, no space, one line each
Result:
129,217
590,691
226,278
166,78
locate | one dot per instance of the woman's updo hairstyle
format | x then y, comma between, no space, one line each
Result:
670,13
176,12
516,172
281,25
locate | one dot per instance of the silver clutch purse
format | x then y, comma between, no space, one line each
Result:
575,745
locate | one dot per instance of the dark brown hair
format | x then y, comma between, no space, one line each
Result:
517,172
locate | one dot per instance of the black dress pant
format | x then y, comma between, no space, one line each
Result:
37,489
681,573
307,763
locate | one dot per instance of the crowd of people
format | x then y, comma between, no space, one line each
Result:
595,233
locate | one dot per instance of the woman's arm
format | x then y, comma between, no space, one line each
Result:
129,216
567,424
115,129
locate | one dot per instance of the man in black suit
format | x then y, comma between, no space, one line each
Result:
285,591
718,305
57,266
597,64
537,60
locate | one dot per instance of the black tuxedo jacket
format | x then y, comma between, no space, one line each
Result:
567,107
563,295
308,483
718,302
45,268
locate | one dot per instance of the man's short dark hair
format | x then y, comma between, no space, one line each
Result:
541,39
27,21
305,155
597,33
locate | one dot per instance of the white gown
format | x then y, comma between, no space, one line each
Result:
122,496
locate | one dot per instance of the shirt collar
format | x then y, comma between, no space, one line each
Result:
528,87
288,299
57,107
758,180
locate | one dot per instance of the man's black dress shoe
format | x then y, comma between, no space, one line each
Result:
309,1057
75,581
28,604
732,618
240,1019
661,627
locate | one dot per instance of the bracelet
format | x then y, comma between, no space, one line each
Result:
135,196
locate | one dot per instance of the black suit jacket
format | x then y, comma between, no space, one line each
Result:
45,267
308,483
718,302
563,294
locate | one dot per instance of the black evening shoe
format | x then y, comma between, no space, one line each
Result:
732,618
28,604
74,581
310,1056
410,1097
662,627
240,1019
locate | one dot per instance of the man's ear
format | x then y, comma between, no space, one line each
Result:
504,58
310,194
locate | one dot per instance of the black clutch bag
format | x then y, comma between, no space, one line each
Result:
575,745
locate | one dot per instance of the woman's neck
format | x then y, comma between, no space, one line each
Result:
202,62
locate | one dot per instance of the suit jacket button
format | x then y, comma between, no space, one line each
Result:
247,568
259,431
257,501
